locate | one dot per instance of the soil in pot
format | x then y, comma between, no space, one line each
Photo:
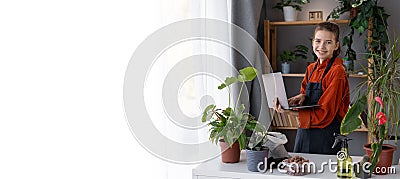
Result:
229,154
385,159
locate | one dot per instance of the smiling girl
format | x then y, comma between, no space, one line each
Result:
325,83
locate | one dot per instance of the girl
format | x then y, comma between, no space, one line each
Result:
325,83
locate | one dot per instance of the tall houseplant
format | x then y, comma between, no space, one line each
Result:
383,84
228,125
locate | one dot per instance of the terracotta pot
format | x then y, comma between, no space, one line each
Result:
229,154
385,159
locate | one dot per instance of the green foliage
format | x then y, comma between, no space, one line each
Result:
344,6
367,9
230,124
291,56
294,3
352,121
383,81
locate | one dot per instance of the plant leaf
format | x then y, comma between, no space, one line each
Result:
222,86
228,138
242,141
227,111
247,74
207,113
240,109
352,121
230,80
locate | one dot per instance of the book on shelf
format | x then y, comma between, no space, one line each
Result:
284,120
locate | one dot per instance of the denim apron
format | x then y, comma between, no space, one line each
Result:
316,140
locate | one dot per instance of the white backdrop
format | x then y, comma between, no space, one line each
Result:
62,66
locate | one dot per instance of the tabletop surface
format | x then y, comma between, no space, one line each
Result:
325,167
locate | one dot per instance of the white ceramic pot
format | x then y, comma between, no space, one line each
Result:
289,13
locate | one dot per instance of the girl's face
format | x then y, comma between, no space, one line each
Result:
324,44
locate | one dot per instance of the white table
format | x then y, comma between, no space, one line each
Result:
215,169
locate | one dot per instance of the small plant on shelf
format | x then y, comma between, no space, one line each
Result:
292,56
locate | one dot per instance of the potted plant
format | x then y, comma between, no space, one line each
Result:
290,8
256,152
291,56
227,126
383,113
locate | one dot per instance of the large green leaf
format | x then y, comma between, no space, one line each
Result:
247,74
352,121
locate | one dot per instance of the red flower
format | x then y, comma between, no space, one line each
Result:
381,117
379,100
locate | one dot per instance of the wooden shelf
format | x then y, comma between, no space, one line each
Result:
358,76
293,23
302,75
363,129
293,75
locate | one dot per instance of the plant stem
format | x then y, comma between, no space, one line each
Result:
229,96
240,93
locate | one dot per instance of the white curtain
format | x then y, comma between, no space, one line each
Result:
195,92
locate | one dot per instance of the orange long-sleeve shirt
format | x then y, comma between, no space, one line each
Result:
335,98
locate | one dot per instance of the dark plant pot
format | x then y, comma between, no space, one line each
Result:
229,154
385,159
255,157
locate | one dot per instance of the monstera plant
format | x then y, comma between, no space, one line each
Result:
229,125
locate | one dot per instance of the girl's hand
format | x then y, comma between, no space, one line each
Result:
297,100
278,108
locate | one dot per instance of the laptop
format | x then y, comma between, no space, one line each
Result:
275,88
